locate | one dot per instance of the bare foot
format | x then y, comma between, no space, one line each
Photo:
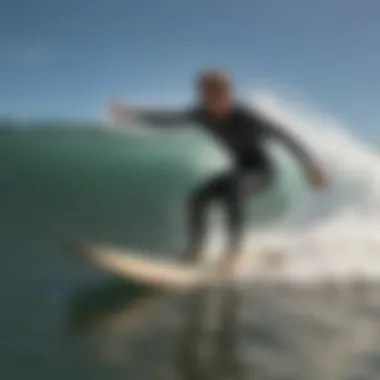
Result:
227,266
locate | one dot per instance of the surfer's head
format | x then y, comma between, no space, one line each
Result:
214,91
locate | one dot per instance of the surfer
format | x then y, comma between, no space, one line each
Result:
243,133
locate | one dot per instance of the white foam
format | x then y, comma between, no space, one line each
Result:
335,234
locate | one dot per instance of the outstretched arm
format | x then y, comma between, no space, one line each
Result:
271,130
315,174
291,142
123,115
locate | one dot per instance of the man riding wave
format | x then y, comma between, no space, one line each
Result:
244,134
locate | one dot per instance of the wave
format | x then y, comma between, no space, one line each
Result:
332,235
132,189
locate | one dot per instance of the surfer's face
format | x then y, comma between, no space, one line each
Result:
216,98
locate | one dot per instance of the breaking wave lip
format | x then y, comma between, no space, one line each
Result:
332,235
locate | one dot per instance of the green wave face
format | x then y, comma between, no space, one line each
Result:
115,186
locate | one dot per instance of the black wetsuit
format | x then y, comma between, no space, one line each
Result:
244,134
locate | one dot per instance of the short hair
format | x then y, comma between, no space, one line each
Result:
213,77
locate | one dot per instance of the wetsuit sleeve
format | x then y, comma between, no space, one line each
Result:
273,131
157,118
165,118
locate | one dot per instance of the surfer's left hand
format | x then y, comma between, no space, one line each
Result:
318,179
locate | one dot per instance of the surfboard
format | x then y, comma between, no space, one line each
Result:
143,268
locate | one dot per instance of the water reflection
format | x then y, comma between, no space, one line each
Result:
209,344
124,331
92,308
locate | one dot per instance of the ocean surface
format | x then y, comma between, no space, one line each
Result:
316,317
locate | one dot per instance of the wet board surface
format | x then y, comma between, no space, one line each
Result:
143,268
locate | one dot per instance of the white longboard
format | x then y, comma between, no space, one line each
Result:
143,268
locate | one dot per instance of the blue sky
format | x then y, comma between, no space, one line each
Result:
66,58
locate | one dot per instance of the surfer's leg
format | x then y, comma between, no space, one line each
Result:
234,210
241,185
231,187
200,201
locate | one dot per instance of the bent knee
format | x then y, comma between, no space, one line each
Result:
203,196
254,184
